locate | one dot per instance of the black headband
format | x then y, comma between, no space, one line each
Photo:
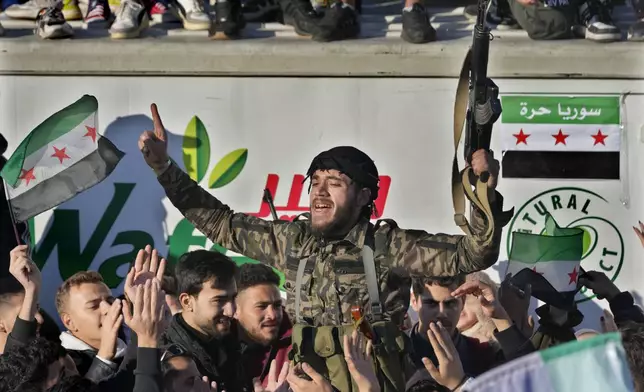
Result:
350,161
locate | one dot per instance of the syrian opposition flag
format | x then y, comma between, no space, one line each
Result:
60,158
549,136
549,262
598,364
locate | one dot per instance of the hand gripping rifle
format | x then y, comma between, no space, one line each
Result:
477,106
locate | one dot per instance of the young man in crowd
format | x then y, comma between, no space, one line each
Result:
207,290
92,318
441,300
264,327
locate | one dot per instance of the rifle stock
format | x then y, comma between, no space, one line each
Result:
484,107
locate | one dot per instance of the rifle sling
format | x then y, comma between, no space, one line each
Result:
461,186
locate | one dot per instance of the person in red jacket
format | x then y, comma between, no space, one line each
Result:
264,329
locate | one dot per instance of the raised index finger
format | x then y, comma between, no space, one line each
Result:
159,129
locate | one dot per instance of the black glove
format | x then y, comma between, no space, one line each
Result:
600,284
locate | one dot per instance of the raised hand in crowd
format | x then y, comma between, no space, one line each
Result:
516,303
600,284
492,308
146,267
276,383
28,275
154,144
640,232
357,354
146,318
450,372
110,329
298,383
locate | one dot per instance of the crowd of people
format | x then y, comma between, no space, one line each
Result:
322,20
206,324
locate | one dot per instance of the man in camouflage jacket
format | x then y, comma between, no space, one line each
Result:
344,184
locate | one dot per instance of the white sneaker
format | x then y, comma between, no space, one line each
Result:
131,20
28,10
51,24
192,13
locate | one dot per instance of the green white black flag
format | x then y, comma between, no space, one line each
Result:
60,158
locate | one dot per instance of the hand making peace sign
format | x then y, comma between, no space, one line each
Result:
154,144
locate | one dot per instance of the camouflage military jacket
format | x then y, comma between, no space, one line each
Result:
334,278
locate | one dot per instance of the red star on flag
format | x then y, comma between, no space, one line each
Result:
535,270
599,138
573,276
560,137
91,132
27,175
521,137
61,154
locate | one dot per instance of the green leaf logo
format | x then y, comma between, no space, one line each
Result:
228,168
196,149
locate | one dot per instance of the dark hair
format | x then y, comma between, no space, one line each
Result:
633,342
74,384
427,385
253,274
418,282
27,365
195,268
9,288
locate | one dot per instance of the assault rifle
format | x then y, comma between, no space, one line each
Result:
484,106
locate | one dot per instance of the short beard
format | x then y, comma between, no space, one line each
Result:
337,227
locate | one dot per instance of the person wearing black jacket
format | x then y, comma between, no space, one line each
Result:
207,290
441,301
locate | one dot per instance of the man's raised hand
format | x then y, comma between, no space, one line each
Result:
449,372
146,318
147,266
110,328
154,144
24,269
640,232
486,296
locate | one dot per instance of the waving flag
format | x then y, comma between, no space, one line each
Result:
60,158
550,262
598,364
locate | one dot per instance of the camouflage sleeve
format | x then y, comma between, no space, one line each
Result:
253,237
448,255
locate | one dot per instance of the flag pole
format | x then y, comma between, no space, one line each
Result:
11,215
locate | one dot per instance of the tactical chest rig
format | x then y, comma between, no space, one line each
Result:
322,346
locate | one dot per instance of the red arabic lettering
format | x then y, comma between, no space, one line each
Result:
297,186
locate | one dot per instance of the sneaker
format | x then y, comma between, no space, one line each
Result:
192,14
160,13
71,10
99,15
29,10
229,20
261,11
416,26
301,15
131,20
114,5
597,23
636,31
340,22
498,16
51,24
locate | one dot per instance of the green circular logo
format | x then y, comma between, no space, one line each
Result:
575,207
